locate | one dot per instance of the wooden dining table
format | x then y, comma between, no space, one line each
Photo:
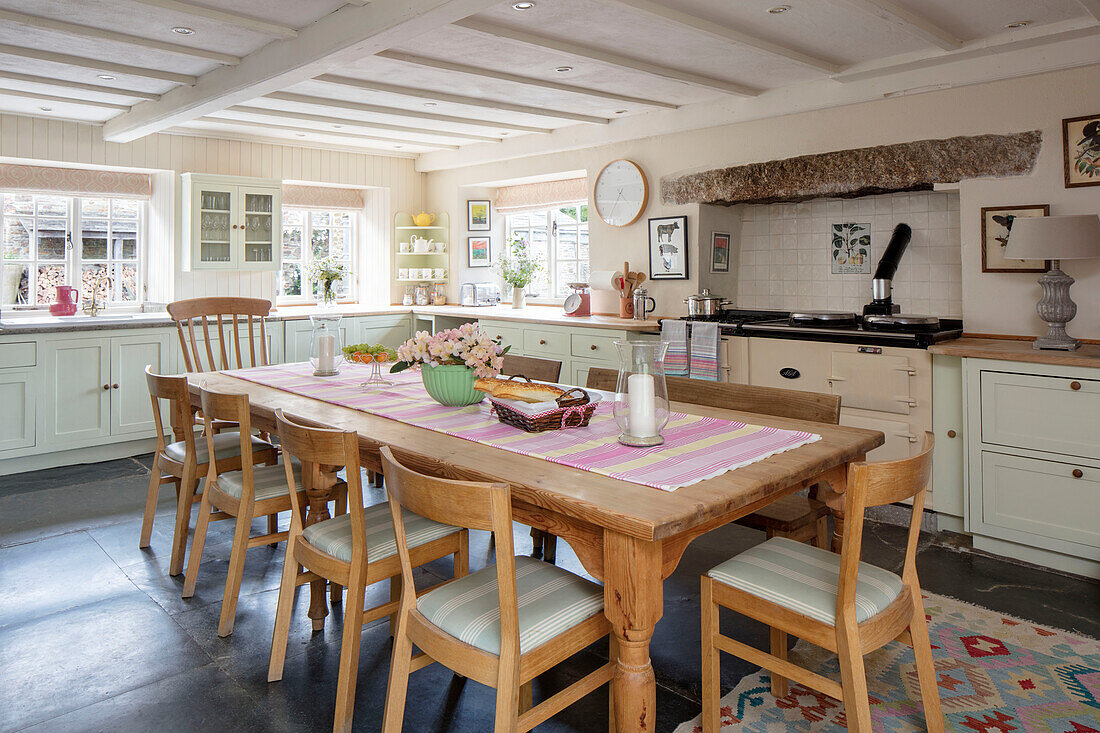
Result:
629,536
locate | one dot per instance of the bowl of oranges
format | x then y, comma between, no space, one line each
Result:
375,355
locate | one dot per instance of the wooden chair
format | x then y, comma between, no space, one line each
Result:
540,370
789,586
241,495
234,313
500,626
354,550
801,518
543,545
183,461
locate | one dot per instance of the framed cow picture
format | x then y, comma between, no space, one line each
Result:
668,256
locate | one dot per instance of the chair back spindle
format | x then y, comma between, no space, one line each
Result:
221,319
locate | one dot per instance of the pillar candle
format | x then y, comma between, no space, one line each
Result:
326,352
643,406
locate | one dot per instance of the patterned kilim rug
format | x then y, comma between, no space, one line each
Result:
996,674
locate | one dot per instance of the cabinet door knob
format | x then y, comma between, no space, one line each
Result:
106,386
114,386
951,433
1078,473
1075,386
542,342
593,347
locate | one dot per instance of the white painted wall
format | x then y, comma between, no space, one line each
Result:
28,139
992,303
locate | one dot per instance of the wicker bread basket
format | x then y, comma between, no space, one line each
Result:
574,410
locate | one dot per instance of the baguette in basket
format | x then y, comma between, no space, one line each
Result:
523,391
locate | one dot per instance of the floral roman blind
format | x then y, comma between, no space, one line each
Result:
541,195
321,197
75,181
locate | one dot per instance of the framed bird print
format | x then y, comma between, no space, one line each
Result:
997,228
1081,150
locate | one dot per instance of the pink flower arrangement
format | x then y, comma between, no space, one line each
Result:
464,346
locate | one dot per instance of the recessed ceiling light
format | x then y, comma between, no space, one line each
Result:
300,134
563,69
1017,24
525,5
429,104
620,111
337,127
398,146
107,77
46,109
779,9
183,30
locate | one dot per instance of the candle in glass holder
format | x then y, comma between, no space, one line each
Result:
326,353
643,406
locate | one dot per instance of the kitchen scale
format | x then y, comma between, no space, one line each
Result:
579,303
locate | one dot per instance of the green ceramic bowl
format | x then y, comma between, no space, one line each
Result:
451,384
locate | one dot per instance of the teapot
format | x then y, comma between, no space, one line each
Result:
421,245
424,219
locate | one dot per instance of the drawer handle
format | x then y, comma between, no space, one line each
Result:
951,433
1078,473
106,386
542,342
593,347
1075,386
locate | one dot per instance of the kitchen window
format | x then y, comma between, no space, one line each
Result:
310,235
81,241
558,237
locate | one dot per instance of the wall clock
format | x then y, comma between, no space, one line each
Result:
621,193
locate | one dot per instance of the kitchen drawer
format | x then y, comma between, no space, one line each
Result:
549,343
508,335
598,348
1045,498
1044,413
18,354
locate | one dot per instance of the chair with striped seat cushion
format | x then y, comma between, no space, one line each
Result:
503,625
226,445
333,536
550,600
268,481
833,601
805,579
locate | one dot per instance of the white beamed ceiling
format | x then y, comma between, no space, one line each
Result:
471,88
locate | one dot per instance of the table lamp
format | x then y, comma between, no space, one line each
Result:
1055,238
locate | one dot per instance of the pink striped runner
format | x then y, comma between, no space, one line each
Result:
695,448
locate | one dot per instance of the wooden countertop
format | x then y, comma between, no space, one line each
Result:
1016,350
547,315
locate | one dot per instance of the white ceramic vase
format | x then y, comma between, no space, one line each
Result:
519,298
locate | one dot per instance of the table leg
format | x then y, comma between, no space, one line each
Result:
832,493
319,491
633,602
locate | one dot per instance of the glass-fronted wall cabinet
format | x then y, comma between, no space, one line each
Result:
231,223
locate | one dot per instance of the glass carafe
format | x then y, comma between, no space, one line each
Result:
641,397
326,350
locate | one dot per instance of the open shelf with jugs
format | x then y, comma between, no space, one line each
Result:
421,249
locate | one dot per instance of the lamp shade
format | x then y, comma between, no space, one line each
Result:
1074,237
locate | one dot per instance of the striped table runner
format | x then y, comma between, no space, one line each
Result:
695,448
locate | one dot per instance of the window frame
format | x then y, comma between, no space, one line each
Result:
552,234
74,259
308,295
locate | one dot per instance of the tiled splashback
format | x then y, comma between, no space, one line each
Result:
785,254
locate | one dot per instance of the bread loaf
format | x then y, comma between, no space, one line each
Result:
528,392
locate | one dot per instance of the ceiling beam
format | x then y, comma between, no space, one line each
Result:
103,34
374,86
727,33
358,124
95,64
1013,43
601,56
907,21
5,92
1092,7
221,16
530,81
315,131
400,112
342,37
65,84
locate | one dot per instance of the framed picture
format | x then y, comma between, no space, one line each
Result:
997,228
851,248
668,257
478,253
719,252
477,215
1081,150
